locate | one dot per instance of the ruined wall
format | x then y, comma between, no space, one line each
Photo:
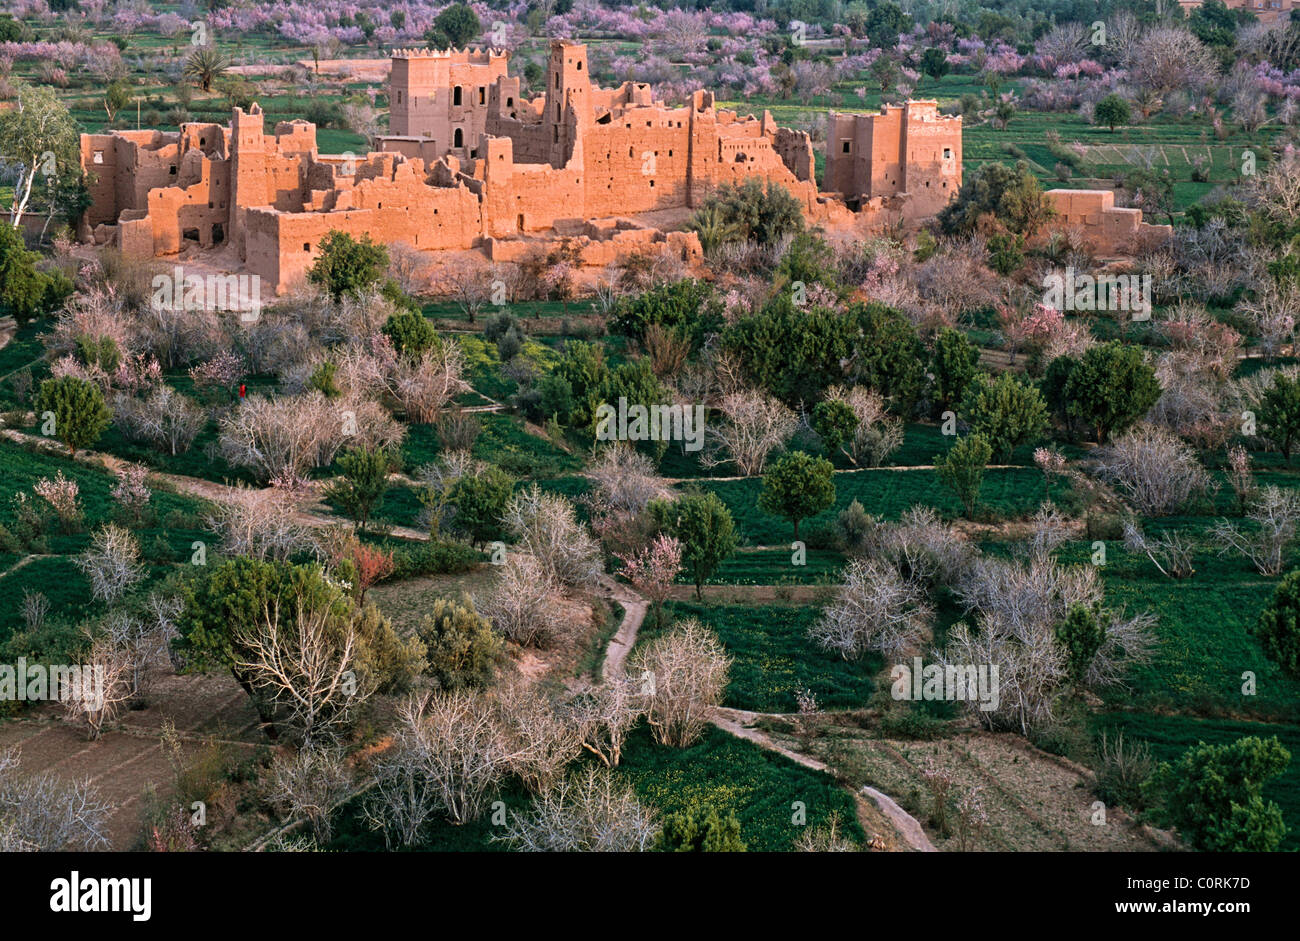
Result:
1107,229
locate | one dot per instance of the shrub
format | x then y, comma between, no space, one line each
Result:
1278,628
962,469
461,649
797,487
700,830
1212,795
77,405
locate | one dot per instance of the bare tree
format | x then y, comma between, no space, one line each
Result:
588,811
547,528
605,713
875,610
425,386
1168,58
409,267
520,604
469,286
452,756
164,418
538,737
625,479
1018,606
41,813
283,438
878,434
1156,472
683,674
308,784
1274,514
306,665
925,549
101,691
754,425
141,642
112,562
259,524
1171,552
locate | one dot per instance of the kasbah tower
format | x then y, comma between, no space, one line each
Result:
470,164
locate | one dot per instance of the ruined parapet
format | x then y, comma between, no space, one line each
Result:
1106,228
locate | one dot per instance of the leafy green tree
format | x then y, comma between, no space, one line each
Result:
480,501
888,356
1055,378
798,486
1279,413
1112,111
117,95
10,29
100,352
225,600
411,332
934,63
454,27
1006,410
808,259
1011,195
703,525
885,23
700,829
348,266
1006,252
582,365
1081,634
38,134
1278,628
954,363
1213,795
461,648
636,382
962,469
679,304
751,212
792,352
1110,388
80,415
323,379
835,423
25,291
361,489
1214,24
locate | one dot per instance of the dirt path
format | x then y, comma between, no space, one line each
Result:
736,722
624,639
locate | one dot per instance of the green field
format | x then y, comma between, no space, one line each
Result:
772,657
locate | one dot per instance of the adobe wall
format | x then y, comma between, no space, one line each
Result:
1106,228
424,88
909,150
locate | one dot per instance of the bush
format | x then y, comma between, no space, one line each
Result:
962,469
1007,411
434,558
80,414
461,648
1278,628
700,830
1212,795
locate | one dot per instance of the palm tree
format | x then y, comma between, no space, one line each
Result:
712,228
206,64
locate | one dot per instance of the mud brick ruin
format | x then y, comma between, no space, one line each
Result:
471,164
